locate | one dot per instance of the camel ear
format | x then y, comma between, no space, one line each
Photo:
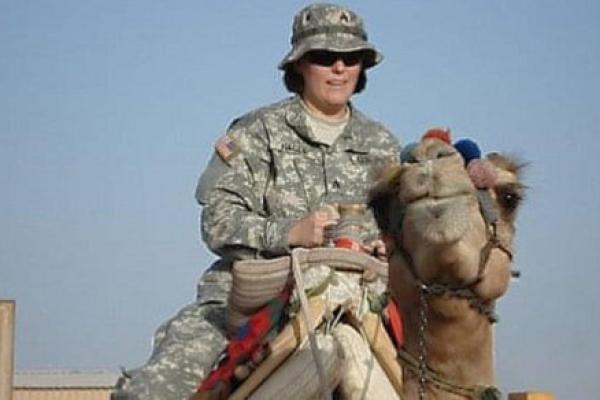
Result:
382,196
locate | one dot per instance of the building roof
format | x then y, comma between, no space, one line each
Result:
65,379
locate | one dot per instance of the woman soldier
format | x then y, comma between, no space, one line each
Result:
268,186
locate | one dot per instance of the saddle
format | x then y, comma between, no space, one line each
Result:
338,283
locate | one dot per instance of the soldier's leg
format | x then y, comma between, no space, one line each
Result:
184,352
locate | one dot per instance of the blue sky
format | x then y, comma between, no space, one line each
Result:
109,111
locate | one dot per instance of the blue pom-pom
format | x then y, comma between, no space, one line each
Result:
468,149
406,154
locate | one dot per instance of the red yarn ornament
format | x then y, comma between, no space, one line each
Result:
442,134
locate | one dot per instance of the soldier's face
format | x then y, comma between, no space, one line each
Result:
329,79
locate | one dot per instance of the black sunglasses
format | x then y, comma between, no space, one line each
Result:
327,58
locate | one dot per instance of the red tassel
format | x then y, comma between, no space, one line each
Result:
242,346
396,324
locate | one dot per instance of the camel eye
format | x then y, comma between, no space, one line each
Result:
508,197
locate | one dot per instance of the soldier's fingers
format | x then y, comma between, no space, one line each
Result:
321,219
330,222
331,211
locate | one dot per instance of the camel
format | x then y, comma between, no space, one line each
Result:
447,219
449,231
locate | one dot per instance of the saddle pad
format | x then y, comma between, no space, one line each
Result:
255,282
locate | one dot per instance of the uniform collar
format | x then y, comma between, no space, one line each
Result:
350,138
296,118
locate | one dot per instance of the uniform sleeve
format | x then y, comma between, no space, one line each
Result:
215,169
387,149
234,221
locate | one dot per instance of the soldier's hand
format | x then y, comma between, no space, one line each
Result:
377,249
309,231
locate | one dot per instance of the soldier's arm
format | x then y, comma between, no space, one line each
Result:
234,222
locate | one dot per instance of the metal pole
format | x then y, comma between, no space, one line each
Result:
7,352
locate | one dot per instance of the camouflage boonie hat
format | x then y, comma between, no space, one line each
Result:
329,27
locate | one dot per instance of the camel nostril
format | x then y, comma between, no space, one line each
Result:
444,152
416,153
439,151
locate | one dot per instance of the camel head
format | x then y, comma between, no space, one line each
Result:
432,212
447,217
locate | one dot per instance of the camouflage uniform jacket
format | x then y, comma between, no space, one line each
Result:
276,173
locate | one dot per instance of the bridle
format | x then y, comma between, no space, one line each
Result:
464,291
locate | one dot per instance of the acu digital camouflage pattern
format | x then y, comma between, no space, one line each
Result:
185,347
281,174
278,175
329,27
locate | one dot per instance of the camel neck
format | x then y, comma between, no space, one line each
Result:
459,350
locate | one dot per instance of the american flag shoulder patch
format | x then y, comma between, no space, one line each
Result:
226,147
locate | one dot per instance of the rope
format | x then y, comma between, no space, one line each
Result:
475,392
314,347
